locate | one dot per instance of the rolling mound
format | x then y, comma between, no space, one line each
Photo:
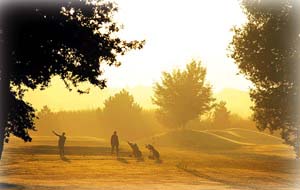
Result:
192,139
255,137
212,139
228,134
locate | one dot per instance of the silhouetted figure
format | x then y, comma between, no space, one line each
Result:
114,141
61,143
135,150
154,154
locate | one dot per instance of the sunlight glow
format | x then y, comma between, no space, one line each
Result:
175,32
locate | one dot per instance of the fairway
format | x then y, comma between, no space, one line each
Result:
89,165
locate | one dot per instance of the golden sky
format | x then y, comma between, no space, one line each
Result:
175,32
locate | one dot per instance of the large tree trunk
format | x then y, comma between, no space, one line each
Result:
4,93
2,123
5,54
2,127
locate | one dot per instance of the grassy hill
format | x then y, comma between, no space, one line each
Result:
212,139
248,136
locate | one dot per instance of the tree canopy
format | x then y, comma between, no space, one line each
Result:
266,50
123,114
183,95
121,103
41,39
221,115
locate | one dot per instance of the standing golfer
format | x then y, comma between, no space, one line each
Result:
61,143
114,141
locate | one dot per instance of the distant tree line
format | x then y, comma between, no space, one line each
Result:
123,114
120,113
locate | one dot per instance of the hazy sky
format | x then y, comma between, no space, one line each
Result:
175,32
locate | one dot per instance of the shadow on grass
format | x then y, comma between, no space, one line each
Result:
65,159
69,150
235,183
140,159
123,160
183,166
8,186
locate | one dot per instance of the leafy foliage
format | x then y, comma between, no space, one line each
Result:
20,119
221,116
121,102
266,50
123,114
183,95
44,111
66,38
